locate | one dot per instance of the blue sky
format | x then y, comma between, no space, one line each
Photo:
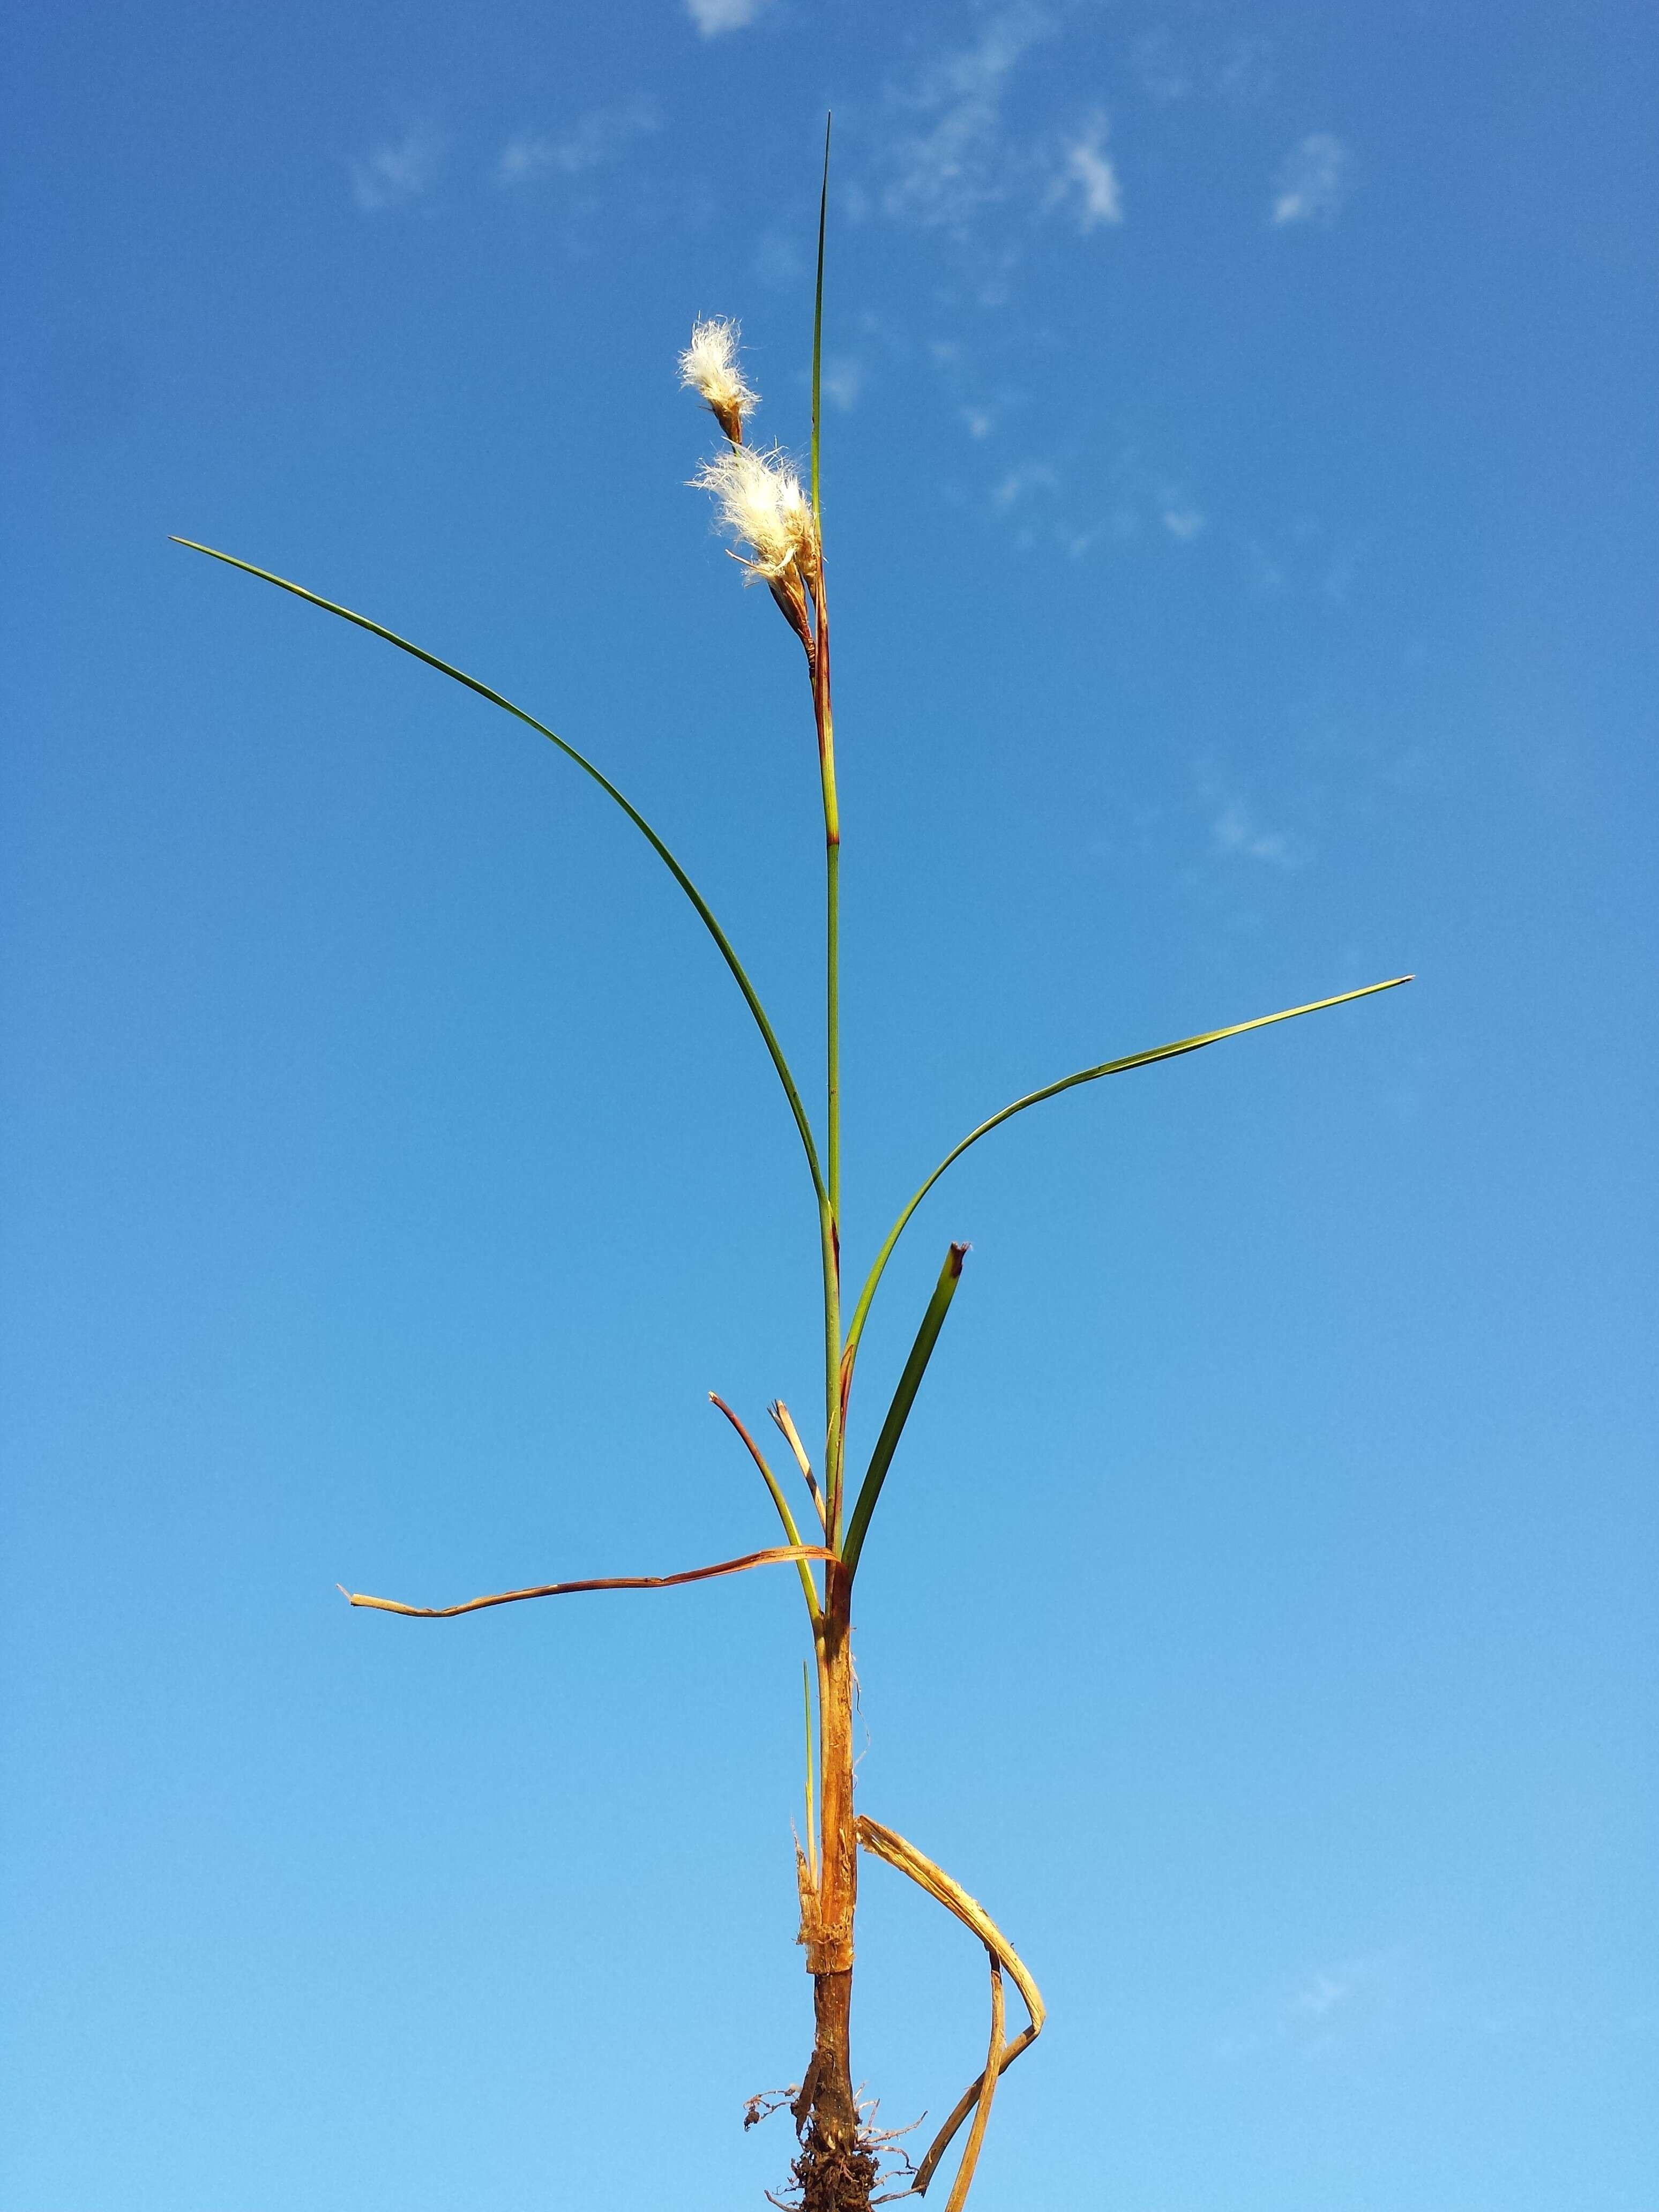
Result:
1240,476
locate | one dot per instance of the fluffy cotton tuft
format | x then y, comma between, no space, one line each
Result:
709,365
762,505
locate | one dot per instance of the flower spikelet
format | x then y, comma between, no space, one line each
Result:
762,505
709,365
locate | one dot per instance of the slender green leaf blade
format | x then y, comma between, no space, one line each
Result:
903,1398
860,1312
705,914
817,325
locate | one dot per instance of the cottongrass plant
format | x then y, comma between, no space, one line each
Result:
775,525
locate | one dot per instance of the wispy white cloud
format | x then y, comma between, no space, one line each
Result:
1088,182
843,381
1239,70
397,173
960,161
1353,1998
1162,68
1021,483
1083,502
1236,834
1323,1992
714,16
1263,566
1357,2008
1313,182
598,138
955,156
779,259
1303,555
1245,73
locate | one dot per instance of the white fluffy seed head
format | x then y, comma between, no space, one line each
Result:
762,505
709,366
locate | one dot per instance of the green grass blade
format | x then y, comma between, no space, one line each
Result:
860,1312
496,699
818,326
899,1412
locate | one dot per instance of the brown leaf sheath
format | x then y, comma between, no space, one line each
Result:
887,1843
987,2089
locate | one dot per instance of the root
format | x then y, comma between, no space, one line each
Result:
834,2171
831,2176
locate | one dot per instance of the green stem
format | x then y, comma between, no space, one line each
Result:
832,996
833,1385
830,1243
832,1139
829,1196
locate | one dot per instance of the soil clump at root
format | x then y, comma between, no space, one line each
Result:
834,2177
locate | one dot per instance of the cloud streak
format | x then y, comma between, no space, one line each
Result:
397,173
712,17
1031,477
1237,70
1237,835
1313,182
599,137
1089,182
958,161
